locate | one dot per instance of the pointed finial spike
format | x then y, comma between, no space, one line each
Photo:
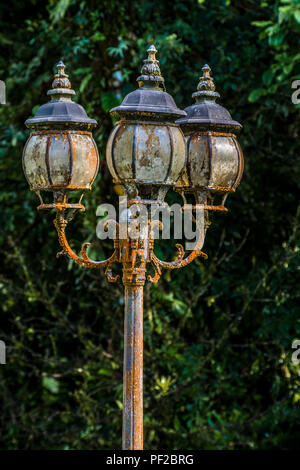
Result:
206,81
206,87
152,50
206,71
152,53
150,70
61,79
61,67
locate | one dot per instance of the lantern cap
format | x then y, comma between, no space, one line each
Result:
61,110
150,99
206,113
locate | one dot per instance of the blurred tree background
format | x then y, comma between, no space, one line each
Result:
218,334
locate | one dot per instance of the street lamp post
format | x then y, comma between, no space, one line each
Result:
147,155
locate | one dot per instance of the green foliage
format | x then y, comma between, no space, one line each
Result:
282,33
218,334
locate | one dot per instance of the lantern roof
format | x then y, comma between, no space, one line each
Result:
206,113
150,99
61,110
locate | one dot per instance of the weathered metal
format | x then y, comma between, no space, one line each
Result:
215,161
146,151
132,434
61,111
60,155
151,99
60,160
134,255
146,154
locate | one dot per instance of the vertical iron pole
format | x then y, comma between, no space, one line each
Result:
132,436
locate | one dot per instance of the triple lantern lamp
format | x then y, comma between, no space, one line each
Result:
154,145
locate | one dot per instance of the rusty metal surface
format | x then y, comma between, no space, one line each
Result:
206,113
225,162
61,109
60,223
60,206
214,162
206,207
60,159
150,99
132,433
60,155
145,153
134,255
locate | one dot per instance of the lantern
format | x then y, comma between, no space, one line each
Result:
60,154
146,149
215,163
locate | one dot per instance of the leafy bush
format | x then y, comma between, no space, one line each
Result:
218,371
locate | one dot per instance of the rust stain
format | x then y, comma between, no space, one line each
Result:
221,155
134,255
60,161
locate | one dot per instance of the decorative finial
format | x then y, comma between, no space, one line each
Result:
150,70
61,80
61,67
152,53
206,87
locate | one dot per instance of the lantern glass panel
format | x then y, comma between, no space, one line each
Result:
60,154
146,151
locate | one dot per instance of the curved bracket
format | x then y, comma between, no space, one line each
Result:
178,263
60,224
125,253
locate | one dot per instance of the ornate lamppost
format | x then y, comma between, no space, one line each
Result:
147,155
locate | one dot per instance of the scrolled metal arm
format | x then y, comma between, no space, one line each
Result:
60,223
125,253
178,263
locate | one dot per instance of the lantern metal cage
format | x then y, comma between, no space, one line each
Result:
146,150
60,155
214,163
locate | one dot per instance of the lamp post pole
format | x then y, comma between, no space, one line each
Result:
146,154
134,276
132,435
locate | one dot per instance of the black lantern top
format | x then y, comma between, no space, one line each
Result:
150,100
206,114
61,111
